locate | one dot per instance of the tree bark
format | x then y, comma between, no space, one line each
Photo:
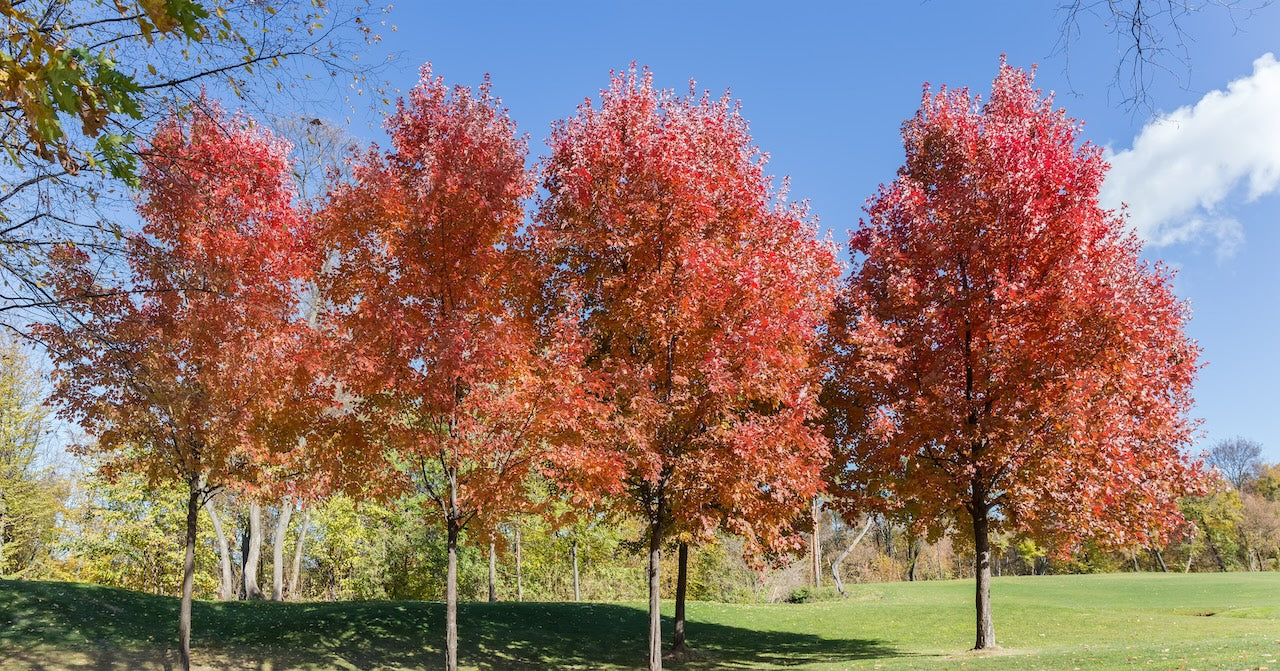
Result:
655,615
913,554
277,550
986,630
451,602
682,589
188,578
227,586
493,572
835,563
253,554
244,560
1217,554
296,573
815,542
573,551
4,512
519,567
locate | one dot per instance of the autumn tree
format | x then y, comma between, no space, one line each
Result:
187,372
699,290
30,493
451,389
1001,357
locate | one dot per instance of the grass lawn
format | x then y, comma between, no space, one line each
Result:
1125,621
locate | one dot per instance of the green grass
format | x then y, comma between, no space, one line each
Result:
1125,621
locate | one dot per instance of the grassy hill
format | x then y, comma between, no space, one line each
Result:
1149,621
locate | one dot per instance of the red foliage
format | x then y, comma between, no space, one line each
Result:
194,368
1002,352
451,392
700,292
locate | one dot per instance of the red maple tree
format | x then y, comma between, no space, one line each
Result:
700,293
452,390
192,370
1001,356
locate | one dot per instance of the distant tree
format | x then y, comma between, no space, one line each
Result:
31,493
700,292
1238,459
1217,514
1260,530
1267,482
455,396
1001,357
189,372
124,533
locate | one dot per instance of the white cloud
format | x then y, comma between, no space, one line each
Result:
1183,168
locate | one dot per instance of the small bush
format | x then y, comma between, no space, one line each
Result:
810,594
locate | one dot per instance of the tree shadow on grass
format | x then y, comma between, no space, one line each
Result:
601,635
75,626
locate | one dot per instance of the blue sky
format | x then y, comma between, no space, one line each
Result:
827,85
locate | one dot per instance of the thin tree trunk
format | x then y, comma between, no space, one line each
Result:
493,572
986,630
1217,554
835,563
244,561
253,556
815,542
1136,568
277,550
655,615
451,602
682,589
913,554
519,566
227,586
296,574
4,511
1164,568
573,551
188,577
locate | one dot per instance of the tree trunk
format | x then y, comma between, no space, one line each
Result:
573,551
986,630
1217,554
296,573
913,554
227,586
1164,568
451,602
277,550
4,512
835,563
1136,568
244,560
519,567
253,554
815,543
493,572
188,578
682,589
655,615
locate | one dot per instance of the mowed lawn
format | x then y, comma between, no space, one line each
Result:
1125,621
